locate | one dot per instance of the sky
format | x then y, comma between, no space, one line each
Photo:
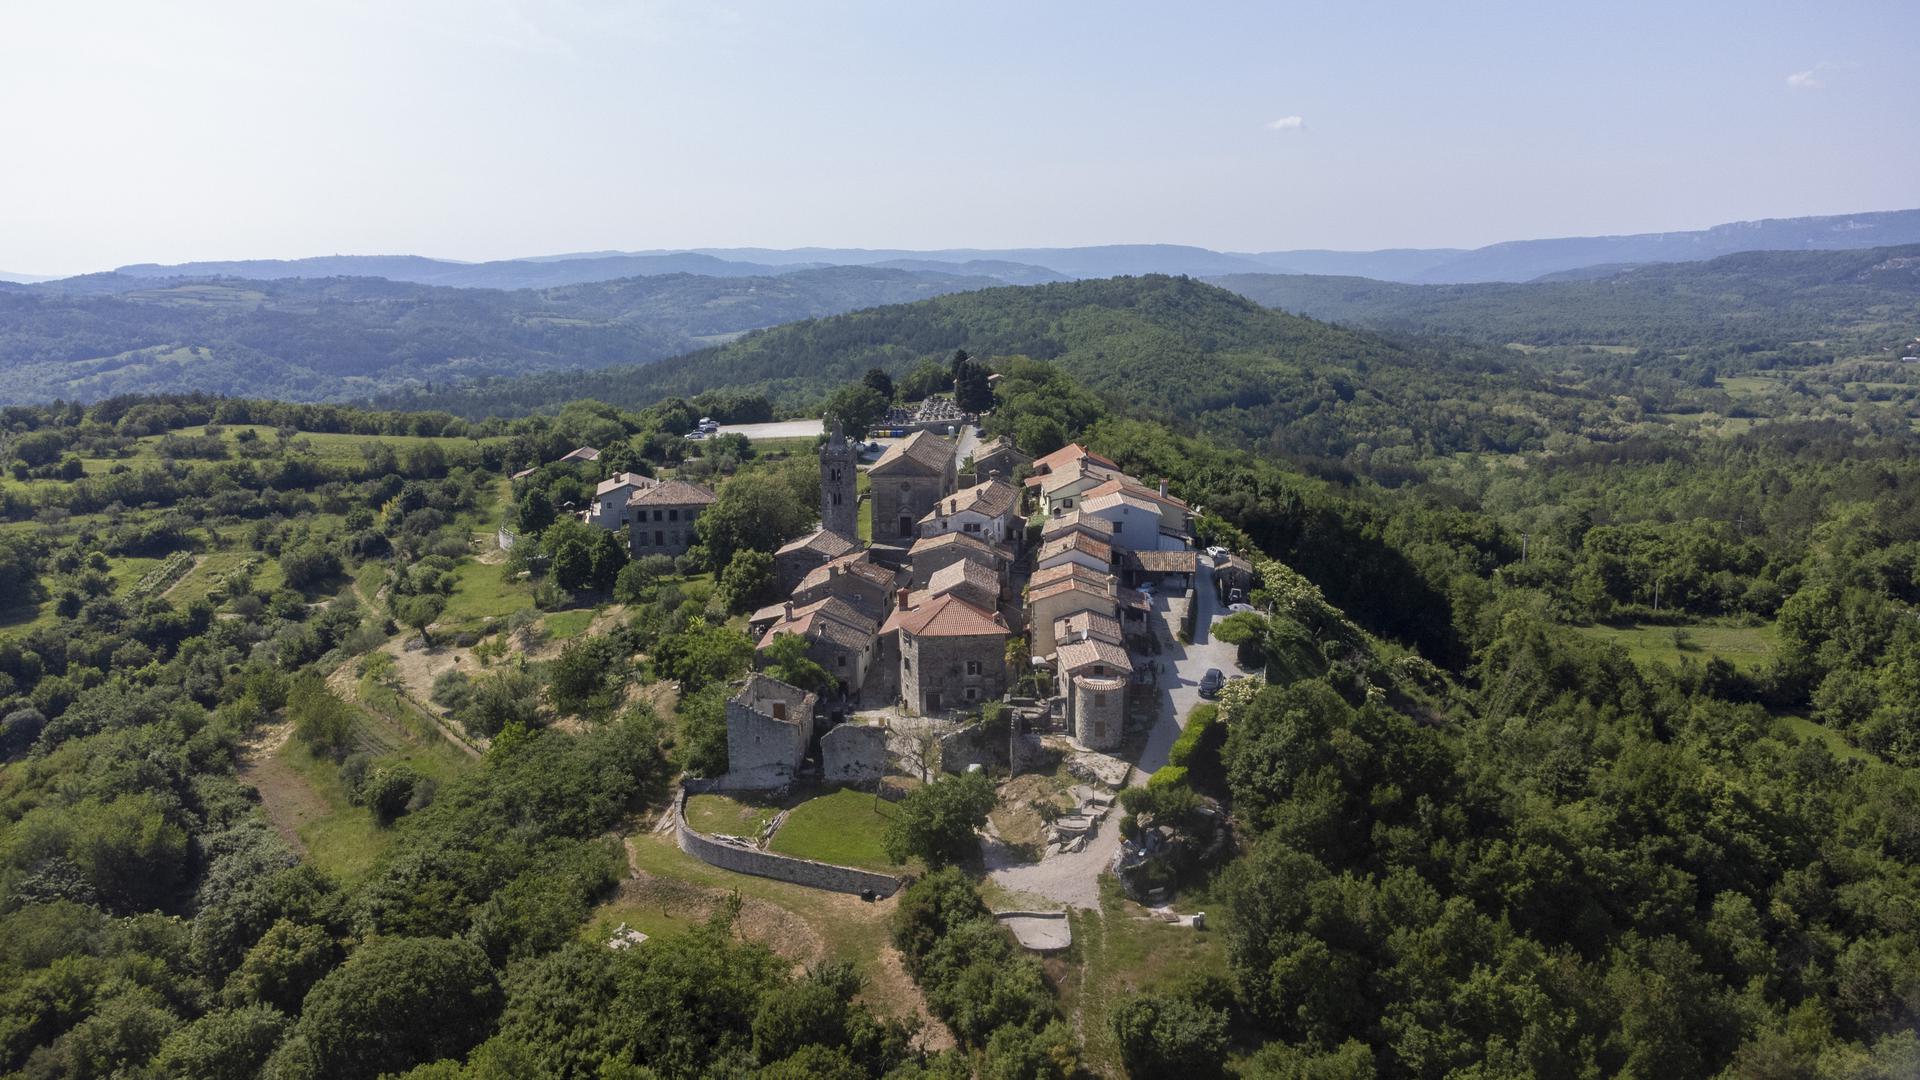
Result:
485,129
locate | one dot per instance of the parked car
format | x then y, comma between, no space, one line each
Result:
1211,682
1237,596
1237,608
1216,554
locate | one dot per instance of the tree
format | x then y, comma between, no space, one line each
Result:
785,658
282,966
584,557
880,381
396,1003
747,581
308,564
702,655
855,407
588,676
971,389
758,510
418,611
319,717
938,822
510,695
1167,1037
637,580
226,1044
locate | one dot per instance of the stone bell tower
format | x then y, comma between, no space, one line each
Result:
839,485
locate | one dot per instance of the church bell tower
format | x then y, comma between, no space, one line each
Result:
839,484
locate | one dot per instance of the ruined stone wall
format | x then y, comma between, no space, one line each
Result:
762,751
748,860
971,746
854,754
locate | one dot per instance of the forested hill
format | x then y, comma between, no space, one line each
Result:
1198,355
331,339
1765,297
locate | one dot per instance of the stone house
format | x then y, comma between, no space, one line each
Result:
1097,710
930,554
838,638
1073,521
1069,454
578,455
611,496
1233,572
997,456
1135,520
865,585
1048,604
907,482
769,724
1062,489
965,579
1176,517
1075,548
987,510
663,517
797,558
952,655
1088,626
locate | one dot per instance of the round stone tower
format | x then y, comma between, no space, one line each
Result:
1099,710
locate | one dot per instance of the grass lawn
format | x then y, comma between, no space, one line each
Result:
1745,647
479,594
847,928
732,817
562,625
844,828
1120,952
1837,743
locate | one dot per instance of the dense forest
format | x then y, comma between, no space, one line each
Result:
1584,746
340,339
1736,303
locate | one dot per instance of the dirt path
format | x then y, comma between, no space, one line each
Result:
286,797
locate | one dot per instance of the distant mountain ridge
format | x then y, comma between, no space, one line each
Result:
342,338
1510,261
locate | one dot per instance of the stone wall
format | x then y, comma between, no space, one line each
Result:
854,754
890,503
748,860
970,746
763,751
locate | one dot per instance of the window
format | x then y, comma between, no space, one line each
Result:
1117,526
905,487
933,701
973,694
973,526
1099,699
656,515
779,710
673,515
842,661
973,667
659,538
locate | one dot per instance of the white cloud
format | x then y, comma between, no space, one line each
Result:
1286,123
1806,80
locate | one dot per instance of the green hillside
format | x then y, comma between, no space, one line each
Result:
1178,348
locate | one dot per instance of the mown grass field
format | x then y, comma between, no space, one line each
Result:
1745,647
728,816
480,592
845,827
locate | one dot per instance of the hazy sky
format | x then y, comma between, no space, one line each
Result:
480,129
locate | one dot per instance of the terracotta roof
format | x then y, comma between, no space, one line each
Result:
1069,452
1075,655
857,565
1074,519
771,611
922,448
1100,682
1239,563
831,544
1098,599
523,473
1119,498
953,539
995,448
964,572
581,453
1165,562
1068,571
759,692
946,616
1090,624
833,619
1126,484
991,499
620,480
672,493
1075,472
1075,541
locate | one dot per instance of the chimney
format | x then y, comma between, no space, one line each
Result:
900,597
1163,487
788,608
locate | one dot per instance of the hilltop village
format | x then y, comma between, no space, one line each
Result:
973,606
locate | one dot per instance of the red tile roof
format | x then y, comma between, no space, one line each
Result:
946,616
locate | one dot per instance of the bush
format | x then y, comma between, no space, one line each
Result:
1166,1037
1198,721
1168,776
